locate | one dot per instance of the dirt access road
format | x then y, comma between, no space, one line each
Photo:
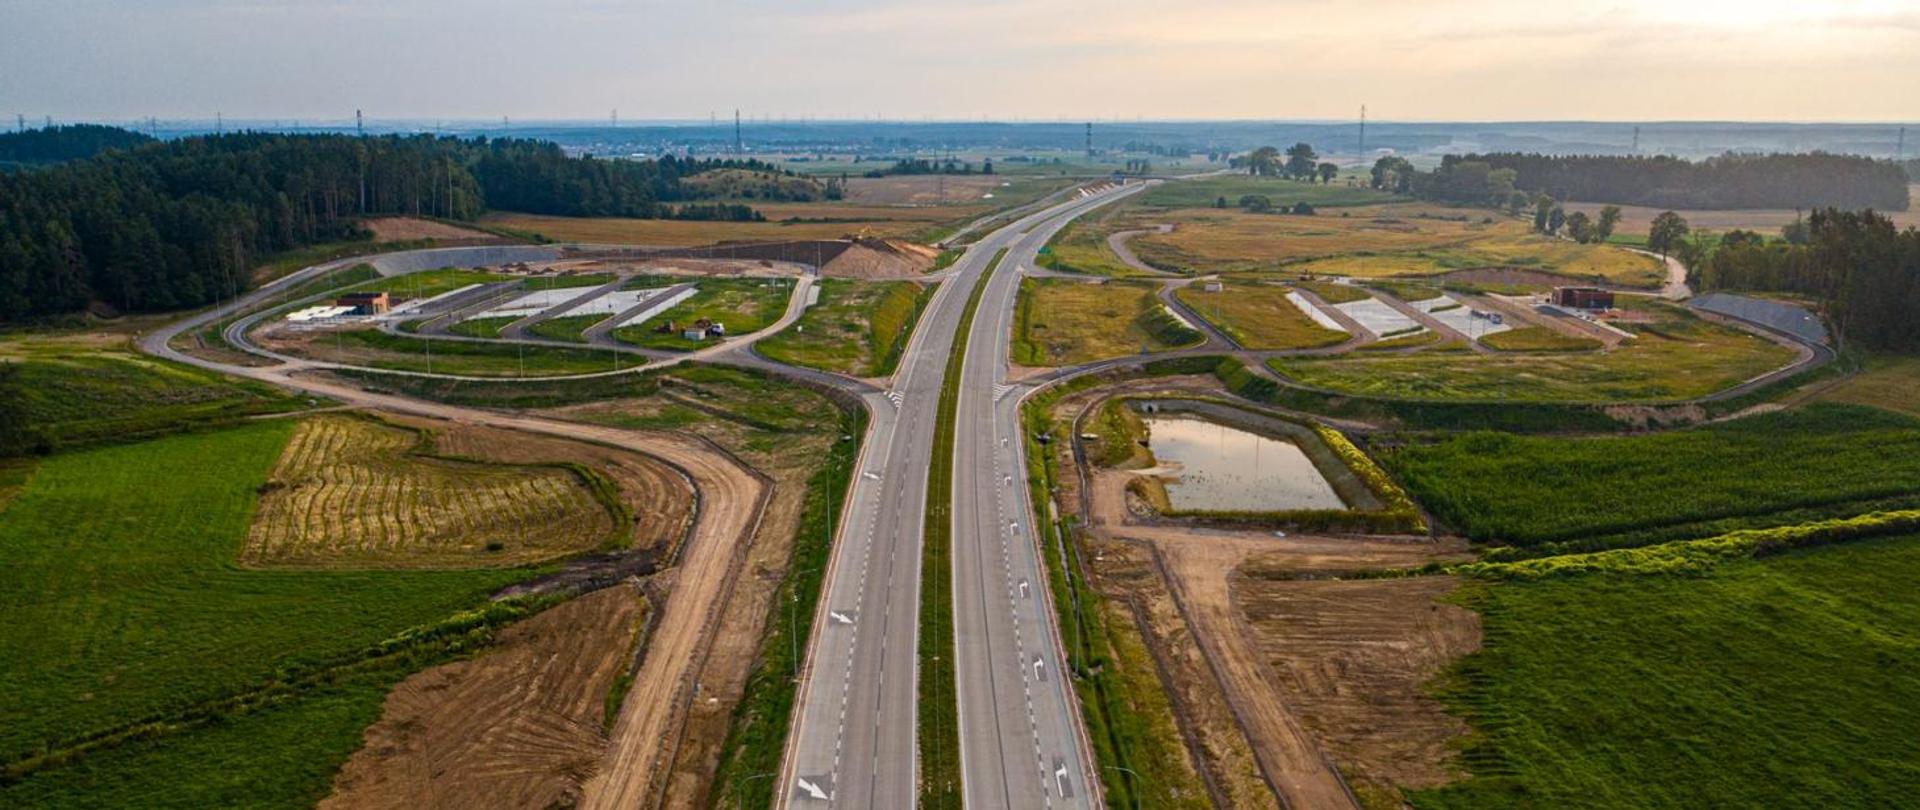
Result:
732,497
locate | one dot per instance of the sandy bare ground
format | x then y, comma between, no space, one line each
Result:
401,229
1254,648
517,727
881,259
646,732
1351,658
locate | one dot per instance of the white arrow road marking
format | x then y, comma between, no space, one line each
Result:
871,475
1023,589
1060,778
839,617
813,790
1039,668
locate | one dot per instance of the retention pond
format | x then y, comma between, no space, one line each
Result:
1218,468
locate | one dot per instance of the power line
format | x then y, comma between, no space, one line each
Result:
1363,132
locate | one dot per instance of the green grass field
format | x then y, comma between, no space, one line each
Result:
1537,339
481,327
1334,293
568,327
1785,681
125,604
78,394
858,327
377,349
1258,316
429,283
1062,322
745,305
1533,490
1677,356
1081,247
1888,381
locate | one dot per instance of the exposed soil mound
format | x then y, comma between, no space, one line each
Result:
517,728
880,259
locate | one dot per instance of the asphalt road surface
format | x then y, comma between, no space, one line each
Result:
855,743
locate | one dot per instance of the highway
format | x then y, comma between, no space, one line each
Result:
1021,737
854,742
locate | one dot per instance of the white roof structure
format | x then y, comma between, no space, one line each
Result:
529,304
1323,319
1380,318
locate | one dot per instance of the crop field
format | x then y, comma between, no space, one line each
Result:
124,603
353,492
1788,676
1063,322
1532,490
1675,356
1378,242
1537,339
1258,316
744,305
84,389
1203,192
857,328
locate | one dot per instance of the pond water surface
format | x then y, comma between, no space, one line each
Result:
1228,469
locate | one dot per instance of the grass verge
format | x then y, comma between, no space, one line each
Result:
761,721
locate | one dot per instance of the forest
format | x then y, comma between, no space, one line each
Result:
1811,180
1857,263
37,147
176,224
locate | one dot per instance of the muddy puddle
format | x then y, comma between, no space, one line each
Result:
1221,468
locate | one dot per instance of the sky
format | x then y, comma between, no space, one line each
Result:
1407,60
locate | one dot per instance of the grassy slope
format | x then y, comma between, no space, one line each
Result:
77,395
1537,339
406,353
1063,322
569,327
745,305
1791,676
1258,316
125,604
1530,490
1889,381
858,327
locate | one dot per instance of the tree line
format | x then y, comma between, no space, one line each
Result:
35,147
176,224
1299,162
1810,180
1857,264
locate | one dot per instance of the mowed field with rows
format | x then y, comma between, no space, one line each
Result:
354,491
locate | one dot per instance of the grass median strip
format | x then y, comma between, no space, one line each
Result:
939,731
